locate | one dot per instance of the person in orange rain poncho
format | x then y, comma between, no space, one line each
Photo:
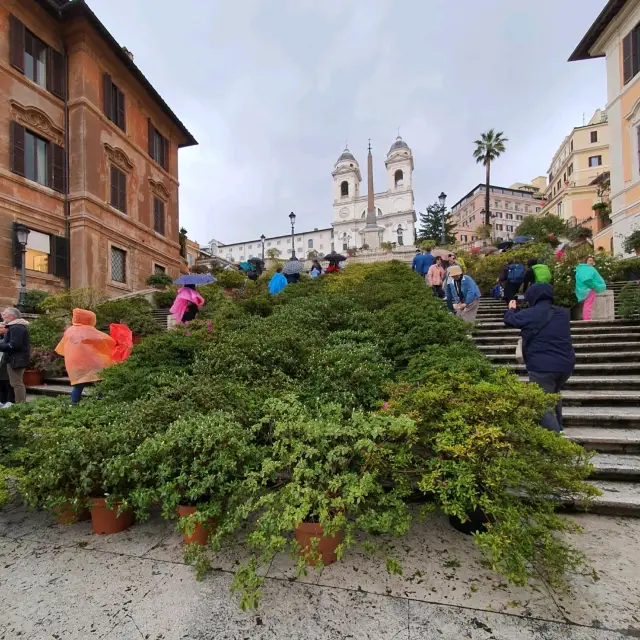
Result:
86,351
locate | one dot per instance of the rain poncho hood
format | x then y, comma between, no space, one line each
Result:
588,278
538,292
181,303
86,350
277,283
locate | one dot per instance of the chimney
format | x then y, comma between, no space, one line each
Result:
128,53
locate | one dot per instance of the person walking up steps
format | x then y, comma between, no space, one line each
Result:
546,345
464,294
515,279
589,283
435,277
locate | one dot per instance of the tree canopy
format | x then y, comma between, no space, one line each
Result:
431,225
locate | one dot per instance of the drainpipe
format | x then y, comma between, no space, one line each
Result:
67,204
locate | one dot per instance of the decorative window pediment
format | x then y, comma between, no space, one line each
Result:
37,121
159,190
119,158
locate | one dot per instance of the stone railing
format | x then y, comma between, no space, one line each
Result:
404,254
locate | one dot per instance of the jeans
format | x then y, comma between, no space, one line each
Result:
437,290
17,382
551,382
587,305
511,291
76,393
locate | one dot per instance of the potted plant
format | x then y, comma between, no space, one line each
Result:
192,469
41,360
229,280
632,243
159,280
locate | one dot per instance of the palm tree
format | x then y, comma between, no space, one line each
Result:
489,148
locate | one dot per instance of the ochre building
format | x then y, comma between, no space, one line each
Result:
88,156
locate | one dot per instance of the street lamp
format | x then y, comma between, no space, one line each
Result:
22,236
292,218
262,239
443,198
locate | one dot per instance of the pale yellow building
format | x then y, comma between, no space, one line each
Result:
615,35
574,184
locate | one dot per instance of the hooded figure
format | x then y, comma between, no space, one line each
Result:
588,284
277,283
546,344
187,304
86,351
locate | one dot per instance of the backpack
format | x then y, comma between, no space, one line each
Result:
515,273
542,273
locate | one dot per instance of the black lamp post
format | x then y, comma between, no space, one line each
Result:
262,239
292,218
443,198
22,236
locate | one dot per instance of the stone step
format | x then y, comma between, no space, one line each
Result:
62,381
613,382
578,338
628,368
50,390
614,348
571,397
631,356
501,329
611,416
604,440
613,466
575,324
617,499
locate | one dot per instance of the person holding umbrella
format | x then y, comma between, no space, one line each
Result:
188,301
292,270
334,259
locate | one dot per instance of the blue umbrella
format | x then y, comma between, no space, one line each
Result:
195,278
522,239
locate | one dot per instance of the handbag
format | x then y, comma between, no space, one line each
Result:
519,344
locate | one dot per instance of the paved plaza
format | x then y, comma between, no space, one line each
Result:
63,582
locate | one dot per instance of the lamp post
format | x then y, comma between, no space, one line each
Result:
443,198
292,218
22,235
262,239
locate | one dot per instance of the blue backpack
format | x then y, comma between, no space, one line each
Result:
516,273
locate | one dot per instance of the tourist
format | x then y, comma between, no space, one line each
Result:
278,282
588,284
86,352
536,272
546,345
451,262
515,279
334,267
464,294
7,396
427,261
416,263
187,304
16,347
435,277
317,267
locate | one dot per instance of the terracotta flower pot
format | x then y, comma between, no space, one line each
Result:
136,338
201,531
64,514
105,521
33,378
306,532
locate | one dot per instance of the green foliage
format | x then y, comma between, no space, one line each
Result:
627,269
160,280
164,299
632,242
64,303
629,308
231,279
34,300
46,331
541,227
431,225
136,313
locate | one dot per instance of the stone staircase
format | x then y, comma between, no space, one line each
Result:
601,400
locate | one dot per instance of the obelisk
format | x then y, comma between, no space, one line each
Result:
371,233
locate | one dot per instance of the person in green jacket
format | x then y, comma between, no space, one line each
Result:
589,283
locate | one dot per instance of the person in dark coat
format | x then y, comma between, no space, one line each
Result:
192,309
546,344
16,346
529,275
6,390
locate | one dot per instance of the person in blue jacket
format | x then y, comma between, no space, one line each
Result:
546,345
416,264
277,283
463,293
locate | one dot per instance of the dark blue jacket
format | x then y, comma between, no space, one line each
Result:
546,347
427,261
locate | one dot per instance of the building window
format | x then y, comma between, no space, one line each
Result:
190,259
250,246
399,178
559,185
35,158
158,147
519,217
538,209
321,247
473,238
509,216
463,238
38,250
631,54
564,177
269,244
344,189
310,244
113,106
288,240
498,204
35,59
498,227
118,189
159,270
559,208
277,241
594,136
400,238
570,170
595,161
118,265
158,216
509,228
44,253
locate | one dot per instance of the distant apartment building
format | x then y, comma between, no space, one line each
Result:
88,156
576,171
509,207
615,35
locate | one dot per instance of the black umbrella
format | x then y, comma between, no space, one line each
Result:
505,245
334,257
256,261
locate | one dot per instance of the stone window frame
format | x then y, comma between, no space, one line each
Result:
128,284
117,158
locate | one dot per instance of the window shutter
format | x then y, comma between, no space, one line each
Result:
160,217
627,57
121,111
17,249
122,188
56,80
17,148
115,182
151,131
60,256
16,46
107,103
58,168
165,154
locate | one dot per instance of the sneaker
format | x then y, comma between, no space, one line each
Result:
6,405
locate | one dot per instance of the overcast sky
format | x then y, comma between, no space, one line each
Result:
272,88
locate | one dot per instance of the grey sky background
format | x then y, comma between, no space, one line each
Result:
272,88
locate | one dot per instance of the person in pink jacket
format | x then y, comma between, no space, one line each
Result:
435,276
